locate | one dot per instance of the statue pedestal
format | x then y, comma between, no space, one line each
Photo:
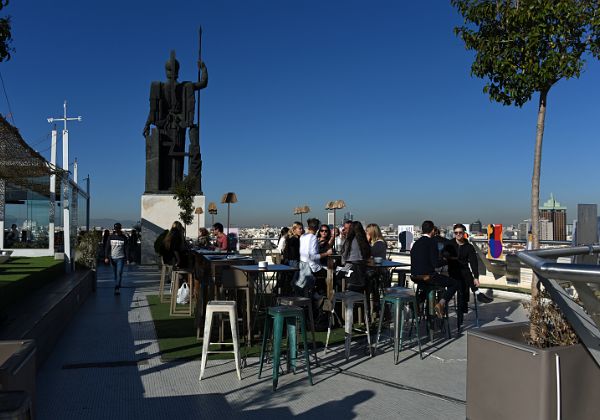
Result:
159,211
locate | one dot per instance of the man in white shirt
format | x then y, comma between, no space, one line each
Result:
309,258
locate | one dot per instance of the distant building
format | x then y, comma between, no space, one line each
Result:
476,227
330,217
546,230
524,228
348,216
553,212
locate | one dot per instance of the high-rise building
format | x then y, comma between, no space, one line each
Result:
552,211
546,230
524,228
476,227
348,216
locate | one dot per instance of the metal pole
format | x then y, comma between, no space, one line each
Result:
87,209
52,221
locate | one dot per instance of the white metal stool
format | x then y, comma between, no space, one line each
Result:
348,298
215,307
187,311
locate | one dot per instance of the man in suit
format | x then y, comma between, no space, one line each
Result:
424,259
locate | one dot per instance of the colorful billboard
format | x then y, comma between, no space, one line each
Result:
494,235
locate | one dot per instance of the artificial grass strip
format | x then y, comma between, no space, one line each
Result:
19,276
177,336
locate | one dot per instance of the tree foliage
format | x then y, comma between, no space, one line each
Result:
5,35
523,47
184,192
526,46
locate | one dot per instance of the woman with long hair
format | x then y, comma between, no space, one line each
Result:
283,235
324,242
175,246
355,252
291,252
376,240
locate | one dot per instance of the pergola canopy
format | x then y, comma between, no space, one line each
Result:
20,164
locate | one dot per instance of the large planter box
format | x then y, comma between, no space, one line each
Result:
17,367
508,379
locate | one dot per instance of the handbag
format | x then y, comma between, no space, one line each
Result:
183,294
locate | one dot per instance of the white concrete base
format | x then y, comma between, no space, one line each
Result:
32,252
159,211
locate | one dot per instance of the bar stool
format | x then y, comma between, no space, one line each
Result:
236,281
220,307
432,293
303,302
348,299
175,311
399,299
165,272
279,314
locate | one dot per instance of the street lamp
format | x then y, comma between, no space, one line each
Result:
212,209
301,211
228,198
335,205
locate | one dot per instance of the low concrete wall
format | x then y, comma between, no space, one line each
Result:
49,311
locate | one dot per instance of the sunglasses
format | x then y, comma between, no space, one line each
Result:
459,232
323,230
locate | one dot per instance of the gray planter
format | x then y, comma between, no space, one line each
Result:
508,379
17,366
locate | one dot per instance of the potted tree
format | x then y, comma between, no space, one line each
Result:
524,47
87,252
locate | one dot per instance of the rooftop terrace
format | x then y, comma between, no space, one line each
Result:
107,365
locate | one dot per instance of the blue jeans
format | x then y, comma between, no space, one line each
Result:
118,264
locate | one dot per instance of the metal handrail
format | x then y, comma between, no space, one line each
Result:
586,322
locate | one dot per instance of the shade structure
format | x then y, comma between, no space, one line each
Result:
335,205
301,210
229,197
212,209
21,165
198,210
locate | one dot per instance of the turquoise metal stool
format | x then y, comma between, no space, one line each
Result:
349,299
399,299
289,314
432,293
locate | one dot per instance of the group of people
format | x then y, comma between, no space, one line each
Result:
432,256
308,250
432,252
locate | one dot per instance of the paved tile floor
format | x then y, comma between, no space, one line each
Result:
107,366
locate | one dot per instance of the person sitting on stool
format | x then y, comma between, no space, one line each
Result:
424,259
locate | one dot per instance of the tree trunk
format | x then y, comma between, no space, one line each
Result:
535,183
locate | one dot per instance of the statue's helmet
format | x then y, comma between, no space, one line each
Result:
172,67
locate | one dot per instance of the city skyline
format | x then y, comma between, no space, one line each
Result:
306,103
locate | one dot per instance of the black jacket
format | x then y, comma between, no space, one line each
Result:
291,251
460,257
425,257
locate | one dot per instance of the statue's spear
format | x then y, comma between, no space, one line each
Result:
199,73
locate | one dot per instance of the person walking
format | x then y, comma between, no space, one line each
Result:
116,251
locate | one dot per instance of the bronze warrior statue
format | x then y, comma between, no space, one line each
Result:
172,106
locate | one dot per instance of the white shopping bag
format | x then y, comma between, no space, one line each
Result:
183,294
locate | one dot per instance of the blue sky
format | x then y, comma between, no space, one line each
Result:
307,102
